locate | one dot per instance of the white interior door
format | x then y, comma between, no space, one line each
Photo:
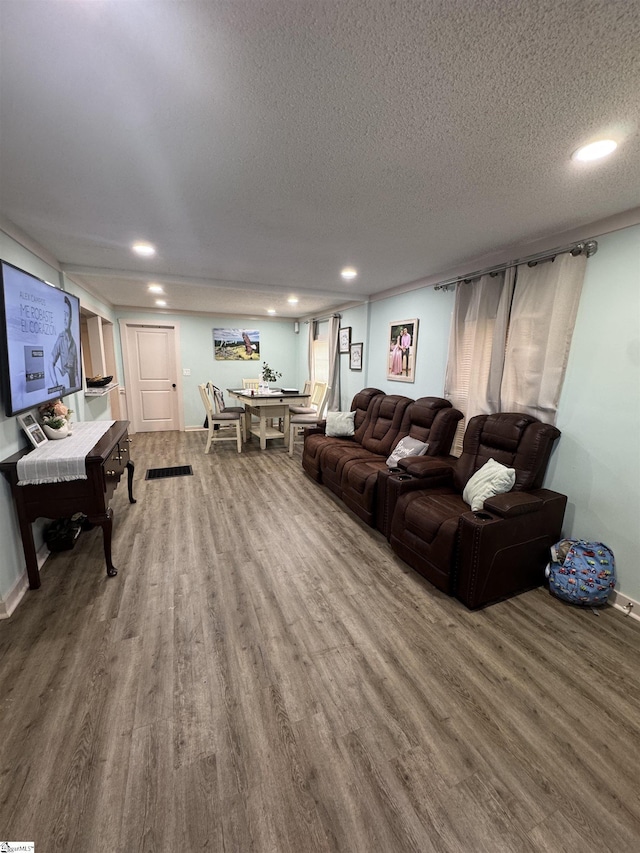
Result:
154,391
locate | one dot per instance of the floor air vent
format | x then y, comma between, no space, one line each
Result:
162,473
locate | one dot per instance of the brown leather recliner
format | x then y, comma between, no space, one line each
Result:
382,429
428,419
483,556
315,440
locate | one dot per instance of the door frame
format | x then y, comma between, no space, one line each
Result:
124,323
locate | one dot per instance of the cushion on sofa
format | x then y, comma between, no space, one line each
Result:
492,479
407,446
340,424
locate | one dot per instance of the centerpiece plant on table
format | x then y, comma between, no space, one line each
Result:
56,418
268,374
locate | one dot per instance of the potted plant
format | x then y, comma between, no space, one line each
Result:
269,375
56,419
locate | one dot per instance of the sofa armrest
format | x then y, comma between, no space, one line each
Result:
512,504
502,555
428,467
393,483
318,429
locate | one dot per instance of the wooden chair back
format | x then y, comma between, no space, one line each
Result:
226,422
319,396
298,422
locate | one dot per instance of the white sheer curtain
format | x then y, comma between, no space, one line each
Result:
510,340
477,345
543,315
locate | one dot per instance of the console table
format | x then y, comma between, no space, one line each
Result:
105,465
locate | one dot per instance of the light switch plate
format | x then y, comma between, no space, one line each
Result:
186,371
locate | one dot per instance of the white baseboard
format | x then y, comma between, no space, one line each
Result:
628,606
17,591
13,599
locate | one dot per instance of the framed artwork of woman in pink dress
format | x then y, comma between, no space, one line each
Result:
401,362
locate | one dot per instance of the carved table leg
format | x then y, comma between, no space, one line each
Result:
30,556
130,470
106,523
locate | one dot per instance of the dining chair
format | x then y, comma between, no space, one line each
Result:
217,402
251,385
223,420
318,394
298,421
216,395
306,391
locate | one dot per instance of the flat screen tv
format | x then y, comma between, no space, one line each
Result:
40,341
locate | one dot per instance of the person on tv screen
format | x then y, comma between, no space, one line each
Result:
64,358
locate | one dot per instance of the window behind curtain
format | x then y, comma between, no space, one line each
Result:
321,352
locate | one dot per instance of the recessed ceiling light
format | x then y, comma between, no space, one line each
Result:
349,273
145,250
292,300
155,288
595,150
161,302
271,310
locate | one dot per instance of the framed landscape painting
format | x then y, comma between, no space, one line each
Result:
236,344
401,350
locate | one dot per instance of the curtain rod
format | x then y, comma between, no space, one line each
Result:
584,247
320,319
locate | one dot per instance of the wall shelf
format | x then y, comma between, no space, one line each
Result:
100,392
98,357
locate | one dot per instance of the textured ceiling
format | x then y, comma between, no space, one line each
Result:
264,144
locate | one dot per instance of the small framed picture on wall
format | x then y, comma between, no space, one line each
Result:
344,339
33,429
355,357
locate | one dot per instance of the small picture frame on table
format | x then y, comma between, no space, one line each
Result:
33,429
355,357
344,338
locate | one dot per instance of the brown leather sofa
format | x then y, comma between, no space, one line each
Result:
315,440
351,467
429,419
382,431
488,555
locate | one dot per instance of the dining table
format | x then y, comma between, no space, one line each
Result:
268,406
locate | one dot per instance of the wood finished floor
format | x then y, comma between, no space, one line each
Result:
264,675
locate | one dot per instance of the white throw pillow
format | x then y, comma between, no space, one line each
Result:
406,447
340,424
492,479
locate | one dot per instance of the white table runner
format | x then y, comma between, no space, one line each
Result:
63,459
